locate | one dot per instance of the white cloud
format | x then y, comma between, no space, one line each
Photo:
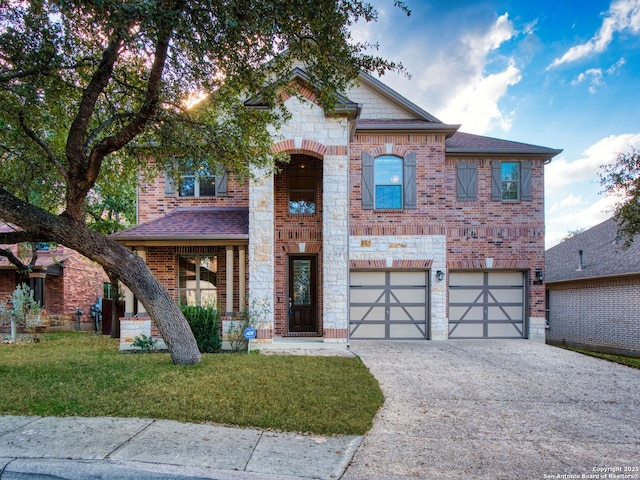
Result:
574,218
622,15
476,106
572,188
595,76
562,172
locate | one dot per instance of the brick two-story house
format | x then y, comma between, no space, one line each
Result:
63,281
386,223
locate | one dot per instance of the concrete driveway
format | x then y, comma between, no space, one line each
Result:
495,409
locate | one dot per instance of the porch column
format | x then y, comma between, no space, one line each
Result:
229,271
261,246
242,284
128,301
142,253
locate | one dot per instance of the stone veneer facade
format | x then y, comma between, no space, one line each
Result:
310,132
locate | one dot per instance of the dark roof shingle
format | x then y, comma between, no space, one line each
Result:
602,254
468,143
198,223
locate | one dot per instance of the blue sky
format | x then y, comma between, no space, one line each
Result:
562,74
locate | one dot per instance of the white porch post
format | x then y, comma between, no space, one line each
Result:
142,253
242,273
229,271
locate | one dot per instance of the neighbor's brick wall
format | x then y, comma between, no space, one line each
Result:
83,283
512,234
7,284
598,314
55,295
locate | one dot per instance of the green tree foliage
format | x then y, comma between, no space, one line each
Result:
622,178
92,87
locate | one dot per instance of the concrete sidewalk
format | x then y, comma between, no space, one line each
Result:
77,448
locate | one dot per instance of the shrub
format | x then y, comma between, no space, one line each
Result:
204,323
144,343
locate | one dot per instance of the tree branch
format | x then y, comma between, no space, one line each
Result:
42,144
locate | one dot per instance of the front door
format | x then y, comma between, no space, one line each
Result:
303,316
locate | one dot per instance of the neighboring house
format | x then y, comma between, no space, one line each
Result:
63,281
593,291
386,223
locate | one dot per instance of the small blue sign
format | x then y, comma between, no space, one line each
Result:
249,333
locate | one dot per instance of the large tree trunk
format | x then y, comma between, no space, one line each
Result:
115,259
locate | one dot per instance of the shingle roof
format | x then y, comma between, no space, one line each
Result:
467,143
603,255
197,223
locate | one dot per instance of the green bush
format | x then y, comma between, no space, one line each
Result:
204,323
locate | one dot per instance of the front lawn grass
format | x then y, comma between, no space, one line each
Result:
633,362
85,375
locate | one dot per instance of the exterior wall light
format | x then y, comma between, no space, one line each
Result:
440,275
539,275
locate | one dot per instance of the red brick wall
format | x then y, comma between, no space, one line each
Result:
510,233
153,203
290,231
163,263
83,283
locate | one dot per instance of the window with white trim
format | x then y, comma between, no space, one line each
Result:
196,180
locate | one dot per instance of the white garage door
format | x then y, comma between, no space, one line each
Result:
388,305
486,305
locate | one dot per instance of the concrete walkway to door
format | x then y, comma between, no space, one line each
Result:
498,409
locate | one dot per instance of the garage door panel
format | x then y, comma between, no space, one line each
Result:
408,296
388,304
406,331
506,313
368,313
367,278
486,304
466,295
507,330
463,279
416,313
408,278
505,278
467,330
466,313
512,295
366,295
368,330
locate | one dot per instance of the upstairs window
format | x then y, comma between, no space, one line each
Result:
389,182
387,175
302,188
510,181
196,180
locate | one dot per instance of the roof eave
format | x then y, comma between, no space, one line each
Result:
444,128
594,277
163,241
547,154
